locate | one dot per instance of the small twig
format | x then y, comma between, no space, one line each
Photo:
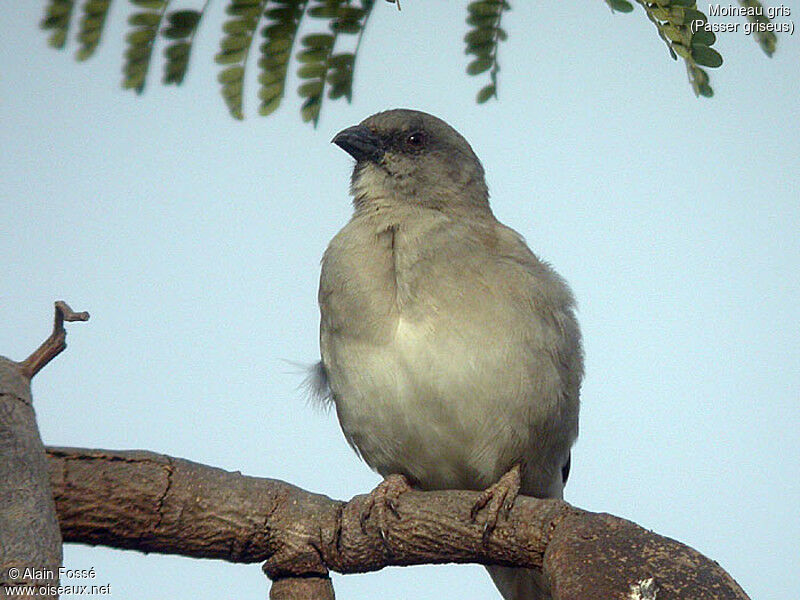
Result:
53,345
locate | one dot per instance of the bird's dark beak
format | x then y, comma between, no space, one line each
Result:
360,143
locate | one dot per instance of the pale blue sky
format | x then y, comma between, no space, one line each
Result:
194,241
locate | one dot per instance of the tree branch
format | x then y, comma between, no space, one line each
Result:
53,345
155,503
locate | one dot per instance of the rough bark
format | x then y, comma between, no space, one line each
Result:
29,535
156,503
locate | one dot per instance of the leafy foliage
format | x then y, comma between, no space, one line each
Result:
235,48
276,51
56,18
319,65
141,39
181,29
766,39
673,19
92,21
482,40
326,55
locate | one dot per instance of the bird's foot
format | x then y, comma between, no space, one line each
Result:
498,499
383,499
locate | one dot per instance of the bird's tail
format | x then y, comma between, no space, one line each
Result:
515,583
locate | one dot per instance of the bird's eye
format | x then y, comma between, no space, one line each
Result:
416,139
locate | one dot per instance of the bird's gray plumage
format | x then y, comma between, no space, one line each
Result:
450,350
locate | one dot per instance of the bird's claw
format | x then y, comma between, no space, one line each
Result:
498,499
382,498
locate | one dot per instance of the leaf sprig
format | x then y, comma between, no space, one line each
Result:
235,49
182,25
276,51
483,39
673,20
141,40
321,67
57,16
92,21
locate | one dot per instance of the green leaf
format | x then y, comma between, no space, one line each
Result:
349,13
707,57
232,92
235,42
57,16
137,53
341,77
145,19
482,50
345,27
269,92
309,70
310,110
691,15
337,91
479,36
184,19
481,22
280,45
310,88
176,52
342,60
318,40
269,107
325,11
479,66
702,37
317,55
486,92
140,37
673,33
681,50
622,6
660,13
60,8
245,12
229,58
237,26
231,74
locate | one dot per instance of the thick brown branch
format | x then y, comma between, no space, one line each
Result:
53,345
156,503
29,534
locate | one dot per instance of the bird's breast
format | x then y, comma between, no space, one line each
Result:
432,370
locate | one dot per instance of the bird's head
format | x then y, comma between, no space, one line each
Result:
407,156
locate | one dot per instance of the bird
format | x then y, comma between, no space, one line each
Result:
451,352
